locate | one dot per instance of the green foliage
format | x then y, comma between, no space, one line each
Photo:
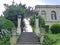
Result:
12,12
5,23
51,39
32,22
57,43
5,38
21,9
47,41
46,28
41,21
5,34
55,28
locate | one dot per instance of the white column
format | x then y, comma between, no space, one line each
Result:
19,26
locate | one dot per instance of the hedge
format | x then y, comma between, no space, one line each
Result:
55,28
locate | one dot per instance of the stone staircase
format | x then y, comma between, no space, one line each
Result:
28,38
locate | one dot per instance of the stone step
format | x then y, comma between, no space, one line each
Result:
27,44
28,38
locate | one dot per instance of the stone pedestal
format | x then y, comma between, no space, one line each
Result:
18,31
37,25
19,26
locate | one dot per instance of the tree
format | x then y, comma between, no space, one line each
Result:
12,12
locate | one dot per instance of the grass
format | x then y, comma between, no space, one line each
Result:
57,43
54,37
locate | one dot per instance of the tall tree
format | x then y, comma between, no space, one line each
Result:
13,11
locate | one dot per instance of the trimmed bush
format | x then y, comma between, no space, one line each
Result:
55,28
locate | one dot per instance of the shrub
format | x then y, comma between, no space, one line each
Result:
5,23
55,28
47,41
51,39
32,22
41,21
46,28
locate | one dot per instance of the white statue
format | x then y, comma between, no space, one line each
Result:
27,27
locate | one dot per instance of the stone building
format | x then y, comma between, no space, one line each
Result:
51,13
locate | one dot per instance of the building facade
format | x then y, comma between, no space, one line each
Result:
51,13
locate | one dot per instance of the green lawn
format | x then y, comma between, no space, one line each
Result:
54,37
57,43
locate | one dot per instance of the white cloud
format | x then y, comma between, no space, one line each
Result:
31,3
1,6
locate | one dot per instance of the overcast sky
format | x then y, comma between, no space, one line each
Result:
31,3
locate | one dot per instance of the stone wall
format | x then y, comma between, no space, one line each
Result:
48,9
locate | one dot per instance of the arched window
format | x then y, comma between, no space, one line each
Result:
43,12
53,15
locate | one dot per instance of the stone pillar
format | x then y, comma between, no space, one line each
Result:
19,25
37,24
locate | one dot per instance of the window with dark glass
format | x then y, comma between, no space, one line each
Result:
53,15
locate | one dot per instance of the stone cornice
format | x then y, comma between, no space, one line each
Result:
47,6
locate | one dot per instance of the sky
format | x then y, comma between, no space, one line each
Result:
31,3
